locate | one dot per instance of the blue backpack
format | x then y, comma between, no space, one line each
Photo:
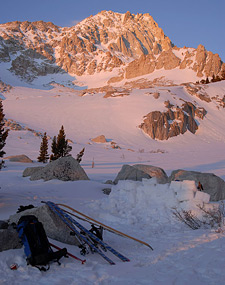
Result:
36,245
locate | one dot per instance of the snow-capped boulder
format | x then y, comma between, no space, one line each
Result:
64,168
212,184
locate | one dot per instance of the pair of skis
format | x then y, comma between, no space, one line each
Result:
90,220
86,236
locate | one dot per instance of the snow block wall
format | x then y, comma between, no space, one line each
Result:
152,204
183,190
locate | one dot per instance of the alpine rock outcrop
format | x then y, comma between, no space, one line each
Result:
134,45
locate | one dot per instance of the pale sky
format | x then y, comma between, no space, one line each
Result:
186,23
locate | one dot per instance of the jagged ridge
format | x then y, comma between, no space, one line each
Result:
134,44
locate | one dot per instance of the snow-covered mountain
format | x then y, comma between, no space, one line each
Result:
112,74
130,45
119,76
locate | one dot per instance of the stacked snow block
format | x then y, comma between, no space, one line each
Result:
202,196
184,190
188,197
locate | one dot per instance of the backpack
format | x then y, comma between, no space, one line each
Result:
36,245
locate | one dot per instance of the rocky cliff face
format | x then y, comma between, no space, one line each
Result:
175,121
134,44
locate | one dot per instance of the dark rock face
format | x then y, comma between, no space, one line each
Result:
164,125
212,184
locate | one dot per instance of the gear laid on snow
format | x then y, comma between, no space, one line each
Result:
99,224
36,245
87,238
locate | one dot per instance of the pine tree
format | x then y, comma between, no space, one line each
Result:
63,148
54,154
43,157
80,155
60,146
3,133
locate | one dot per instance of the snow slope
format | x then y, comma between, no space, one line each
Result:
118,118
181,255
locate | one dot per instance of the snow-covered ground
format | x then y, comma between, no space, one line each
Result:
141,209
180,256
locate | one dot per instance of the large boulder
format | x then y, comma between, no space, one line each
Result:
31,170
128,172
53,225
212,184
19,158
8,237
153,171
64,168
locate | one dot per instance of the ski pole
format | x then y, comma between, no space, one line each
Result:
71,255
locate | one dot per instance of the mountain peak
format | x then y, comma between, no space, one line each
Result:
133,45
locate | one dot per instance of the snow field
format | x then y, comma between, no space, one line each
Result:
141,209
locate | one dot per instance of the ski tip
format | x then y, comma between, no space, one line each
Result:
150,247
83,261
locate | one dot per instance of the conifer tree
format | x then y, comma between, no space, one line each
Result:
60,146
43,156
3,133
63,148
54,154
80,155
